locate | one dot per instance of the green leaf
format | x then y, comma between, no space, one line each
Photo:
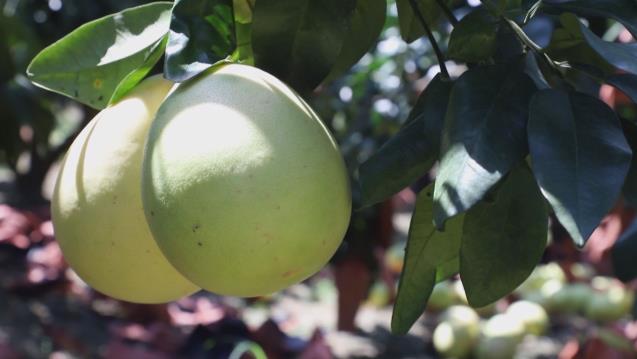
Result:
367,24
91,62
580,157
473,38
412,151
427,249
532,68
299,41
622,56
507,46
134,77
410,27
448,269
572,47
484,135
503,240
624,11
624,252
201,34
630,184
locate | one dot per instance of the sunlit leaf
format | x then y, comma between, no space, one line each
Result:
484,135
92,62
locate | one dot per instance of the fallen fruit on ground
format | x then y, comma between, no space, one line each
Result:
457,333
442,296
97,207
571,298
532,315
609,301
244,188
500,337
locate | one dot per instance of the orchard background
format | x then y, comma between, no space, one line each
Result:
498,56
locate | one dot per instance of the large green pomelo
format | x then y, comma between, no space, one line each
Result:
97,206
244,188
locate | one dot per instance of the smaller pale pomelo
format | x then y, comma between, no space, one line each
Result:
97,207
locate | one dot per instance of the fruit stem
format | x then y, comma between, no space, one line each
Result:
432,39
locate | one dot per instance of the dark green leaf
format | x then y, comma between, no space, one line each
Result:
532,68
507,45
624,11
427,249
201,34
90,63
299,41
410,27
622,56
484,135
630,184
624,252
367,24
580,157
412,151
503,240
473,38
572,47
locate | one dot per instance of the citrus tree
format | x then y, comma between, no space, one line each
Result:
516,136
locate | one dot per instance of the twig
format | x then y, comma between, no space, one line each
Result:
432,39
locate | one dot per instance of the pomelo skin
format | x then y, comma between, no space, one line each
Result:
97,207
243,187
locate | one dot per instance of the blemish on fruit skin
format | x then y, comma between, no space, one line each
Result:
195,227
97,83
152,213
200,244
289,273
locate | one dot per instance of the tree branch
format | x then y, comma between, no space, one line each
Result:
432,39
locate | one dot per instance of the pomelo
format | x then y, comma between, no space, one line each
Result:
97,206
244,188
